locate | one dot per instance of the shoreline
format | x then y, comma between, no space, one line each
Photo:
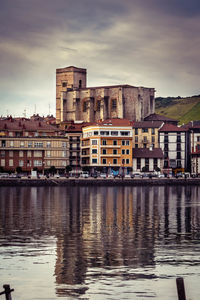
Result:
98,181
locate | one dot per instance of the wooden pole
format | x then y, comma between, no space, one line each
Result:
180,288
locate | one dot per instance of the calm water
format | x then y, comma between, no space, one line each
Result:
100,242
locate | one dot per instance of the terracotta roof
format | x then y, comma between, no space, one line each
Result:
147,153
156,117
192,125
171,128
147,124
111,122
22,124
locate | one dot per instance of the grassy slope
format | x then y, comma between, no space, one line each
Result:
183,109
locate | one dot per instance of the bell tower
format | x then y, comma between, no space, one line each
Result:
69,78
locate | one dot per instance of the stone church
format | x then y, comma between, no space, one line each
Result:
77,102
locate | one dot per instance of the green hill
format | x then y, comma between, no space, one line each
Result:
182,109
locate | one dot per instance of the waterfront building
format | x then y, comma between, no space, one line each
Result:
107,144
147,159
173,142
75,101
145,134
74,134
31,144
194,146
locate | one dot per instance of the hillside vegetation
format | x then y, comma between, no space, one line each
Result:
182,109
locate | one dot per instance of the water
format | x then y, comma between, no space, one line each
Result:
100,242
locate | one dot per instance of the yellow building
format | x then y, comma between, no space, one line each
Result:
145,134
107,144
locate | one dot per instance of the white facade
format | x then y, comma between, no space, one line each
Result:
173,145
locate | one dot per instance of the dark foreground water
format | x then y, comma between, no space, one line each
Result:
100,242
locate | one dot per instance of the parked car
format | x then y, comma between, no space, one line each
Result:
127,176
110,176
179,175
56,176
84,174
136,175
13,175
94,175
4,175
161,176
103,175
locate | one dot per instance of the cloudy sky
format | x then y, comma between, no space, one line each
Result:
152,43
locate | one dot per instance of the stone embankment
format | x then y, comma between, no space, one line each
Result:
98,182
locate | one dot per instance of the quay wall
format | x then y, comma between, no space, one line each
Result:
98,182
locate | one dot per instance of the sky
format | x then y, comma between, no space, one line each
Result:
152,43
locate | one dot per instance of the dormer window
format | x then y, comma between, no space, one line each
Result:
64,83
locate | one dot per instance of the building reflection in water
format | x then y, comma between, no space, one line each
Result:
99,227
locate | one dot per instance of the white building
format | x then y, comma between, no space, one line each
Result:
173,142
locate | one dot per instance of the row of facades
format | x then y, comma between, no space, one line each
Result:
155,143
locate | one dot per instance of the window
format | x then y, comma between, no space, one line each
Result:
125,133
48,153
136,139
165,163
95,132
104,161
38,145
94,142
29,154
104,142
3,153
147,163
104,151
104,132
10,133
166,138
138,163
10,162
115,133
64,144
21,163
136,145
144,129
123,151
127,151
178,148
114,161
11,143
153,131
94,151
153,139
155,163
21,144
84,106
127,143
198,138
123,143
64,163
114,151
136,131
178,138
37,153
114,143
64,83
37,163
10,153
30,144
3,162
94,160
179,165
80,84
166,154
98,105
21,153
178,155
127,161
64,153
114,104
166,148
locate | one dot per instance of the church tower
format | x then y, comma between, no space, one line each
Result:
69,78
